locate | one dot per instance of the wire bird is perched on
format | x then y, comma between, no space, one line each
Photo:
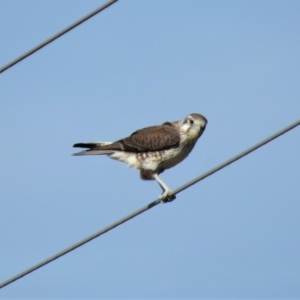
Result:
153,149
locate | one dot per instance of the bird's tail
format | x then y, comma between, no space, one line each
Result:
95,148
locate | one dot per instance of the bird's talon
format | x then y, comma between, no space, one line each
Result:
166,197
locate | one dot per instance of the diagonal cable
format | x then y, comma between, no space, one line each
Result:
57,35
150,205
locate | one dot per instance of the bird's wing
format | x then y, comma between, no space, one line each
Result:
151,138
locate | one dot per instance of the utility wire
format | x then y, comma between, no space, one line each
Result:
236,157
150,205
57,35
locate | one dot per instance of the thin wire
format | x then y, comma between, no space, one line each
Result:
235,158
150,205
57,35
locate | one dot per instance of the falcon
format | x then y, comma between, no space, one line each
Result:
153,149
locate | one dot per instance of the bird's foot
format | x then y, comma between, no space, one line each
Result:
167,196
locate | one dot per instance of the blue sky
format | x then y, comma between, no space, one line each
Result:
140,63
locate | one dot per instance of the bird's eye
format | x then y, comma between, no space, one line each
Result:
190,121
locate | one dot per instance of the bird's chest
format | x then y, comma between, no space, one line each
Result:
172,157
164,159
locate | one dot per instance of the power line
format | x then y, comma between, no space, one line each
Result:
150,205
236,157
57,35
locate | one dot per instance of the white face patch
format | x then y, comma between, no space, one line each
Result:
193,133
184,128
190,129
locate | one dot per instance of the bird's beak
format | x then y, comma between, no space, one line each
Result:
202,128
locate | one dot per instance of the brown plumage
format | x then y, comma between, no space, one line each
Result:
151,138
153,149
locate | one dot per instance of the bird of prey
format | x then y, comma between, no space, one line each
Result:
153,149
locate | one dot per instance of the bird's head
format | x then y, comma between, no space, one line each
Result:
193,126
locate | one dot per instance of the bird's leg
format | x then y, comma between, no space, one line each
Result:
166,196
